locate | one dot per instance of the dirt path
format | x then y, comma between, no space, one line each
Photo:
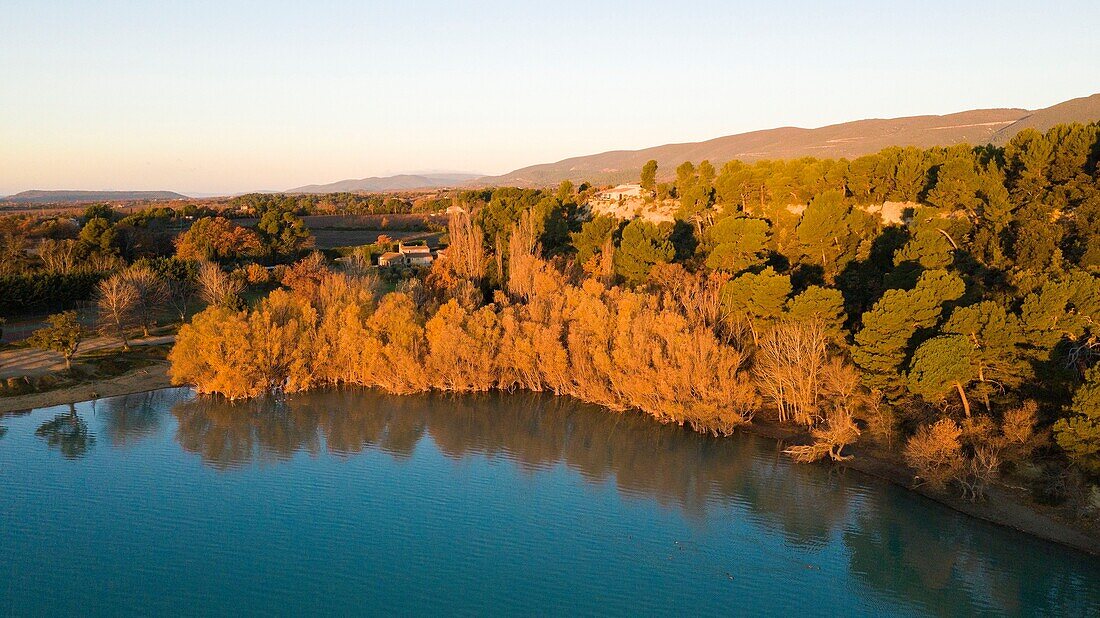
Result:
136,381
33,362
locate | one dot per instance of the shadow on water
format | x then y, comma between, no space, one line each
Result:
895,543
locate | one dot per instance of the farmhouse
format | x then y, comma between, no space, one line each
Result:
620,193
416,254
391,258
407,254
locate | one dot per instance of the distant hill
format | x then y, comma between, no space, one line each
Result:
849,139
400,182
68,197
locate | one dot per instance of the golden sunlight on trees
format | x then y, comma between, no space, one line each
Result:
789,363
213,353
936,452
941,304
612,347
217,238
466,253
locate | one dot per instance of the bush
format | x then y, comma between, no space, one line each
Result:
17,386
935,452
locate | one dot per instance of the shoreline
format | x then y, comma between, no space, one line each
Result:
1003,505
149,378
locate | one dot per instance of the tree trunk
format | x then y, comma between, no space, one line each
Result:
985,392
962,395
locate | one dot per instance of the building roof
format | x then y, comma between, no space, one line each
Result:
403,248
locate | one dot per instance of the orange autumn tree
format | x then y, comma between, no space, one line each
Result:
217,238
618,349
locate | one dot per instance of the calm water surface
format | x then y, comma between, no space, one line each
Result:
359,503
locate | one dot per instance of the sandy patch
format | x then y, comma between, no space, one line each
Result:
136,381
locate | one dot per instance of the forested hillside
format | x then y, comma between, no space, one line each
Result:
960,330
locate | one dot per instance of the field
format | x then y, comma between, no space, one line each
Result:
333,238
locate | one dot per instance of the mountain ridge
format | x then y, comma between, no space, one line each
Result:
848,139
397,182
40,196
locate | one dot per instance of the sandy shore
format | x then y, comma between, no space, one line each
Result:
146,378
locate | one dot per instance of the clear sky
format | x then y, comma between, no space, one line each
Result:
225,96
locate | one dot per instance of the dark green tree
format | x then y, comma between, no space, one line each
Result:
284,233
823,304
830,233
565,191
1028,156
736,243
643,244
591,238
884,343
1079,433
649,176
98,235
62,335
940,366
995,339
755,300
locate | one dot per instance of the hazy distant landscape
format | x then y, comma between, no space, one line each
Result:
54,197
848,140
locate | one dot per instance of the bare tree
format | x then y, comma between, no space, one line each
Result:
152,293
13,251
605,268
466,253
117,300
216,287
697,295
102,262
181,294
58,256
358,263
523,250
789,365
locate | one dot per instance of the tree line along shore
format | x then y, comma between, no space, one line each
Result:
938,303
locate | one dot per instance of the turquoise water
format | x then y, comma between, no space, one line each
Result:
358,503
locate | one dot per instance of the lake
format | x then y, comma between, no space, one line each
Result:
353,502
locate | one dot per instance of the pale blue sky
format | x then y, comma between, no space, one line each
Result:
232,96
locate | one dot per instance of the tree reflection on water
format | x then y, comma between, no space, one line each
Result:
68,433
892,545
128,419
